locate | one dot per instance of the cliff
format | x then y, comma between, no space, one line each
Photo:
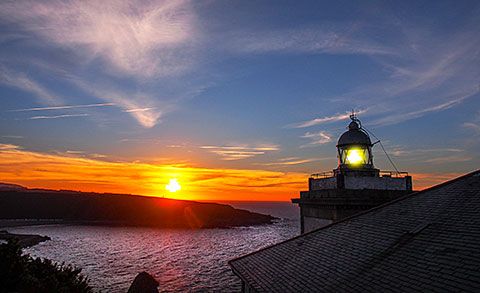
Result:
74,207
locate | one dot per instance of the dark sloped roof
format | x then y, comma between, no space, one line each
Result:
426,241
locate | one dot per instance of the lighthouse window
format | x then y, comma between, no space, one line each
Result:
354,156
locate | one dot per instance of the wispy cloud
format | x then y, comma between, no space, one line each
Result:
289,162
139,41
474,124
140,38
12,136
432,156
63,107
475,127
317,138
232,153
133,104
81,154
146,116
59,171
338,40
259,148
416,80
323,120
6,146
412,152
58,116
138,110
449,159
141,140
24,83
400,117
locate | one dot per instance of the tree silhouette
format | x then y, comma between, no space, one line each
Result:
22,273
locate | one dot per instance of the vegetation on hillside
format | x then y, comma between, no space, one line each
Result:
123,209
22,273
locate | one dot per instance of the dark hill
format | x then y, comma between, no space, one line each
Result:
122,209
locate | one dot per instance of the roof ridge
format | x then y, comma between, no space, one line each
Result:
364,212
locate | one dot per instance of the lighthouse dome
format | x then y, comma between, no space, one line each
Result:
354,136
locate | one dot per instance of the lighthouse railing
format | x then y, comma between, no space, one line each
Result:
393,174
322,175
329,174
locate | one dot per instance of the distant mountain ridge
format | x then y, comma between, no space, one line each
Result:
75,207
10,186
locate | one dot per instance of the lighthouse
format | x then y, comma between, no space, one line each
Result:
354,186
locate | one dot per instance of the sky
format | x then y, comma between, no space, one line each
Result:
238,100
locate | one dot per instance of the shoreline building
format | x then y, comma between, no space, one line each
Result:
426,241
354,186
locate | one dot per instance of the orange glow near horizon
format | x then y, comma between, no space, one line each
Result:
40,170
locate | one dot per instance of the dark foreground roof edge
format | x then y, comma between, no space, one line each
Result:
230,262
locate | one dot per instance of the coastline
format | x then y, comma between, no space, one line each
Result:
46,207
182,260
14,223
24,240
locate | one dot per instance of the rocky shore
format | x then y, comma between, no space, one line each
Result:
143,282
24,240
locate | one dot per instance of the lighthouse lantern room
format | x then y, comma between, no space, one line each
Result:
355,185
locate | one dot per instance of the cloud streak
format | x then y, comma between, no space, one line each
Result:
338,40
41,170
139,42
474,124
59,171
63,107
323,120
317,138
58,116
138,110
233,153
449,159
415,80
24,83
289,162
8,147
400,117
13,136
140,38
133,104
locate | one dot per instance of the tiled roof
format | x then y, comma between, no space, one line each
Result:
426,241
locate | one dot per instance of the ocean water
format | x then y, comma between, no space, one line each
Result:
180,259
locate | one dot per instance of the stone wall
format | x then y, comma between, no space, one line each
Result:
361,182
324,183
383,183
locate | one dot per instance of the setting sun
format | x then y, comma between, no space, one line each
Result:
173,185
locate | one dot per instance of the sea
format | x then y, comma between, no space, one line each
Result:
181,260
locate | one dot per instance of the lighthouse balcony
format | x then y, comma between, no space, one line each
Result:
385,180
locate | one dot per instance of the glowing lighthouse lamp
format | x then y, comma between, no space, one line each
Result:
355,148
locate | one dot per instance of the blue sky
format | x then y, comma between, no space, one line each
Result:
238,84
